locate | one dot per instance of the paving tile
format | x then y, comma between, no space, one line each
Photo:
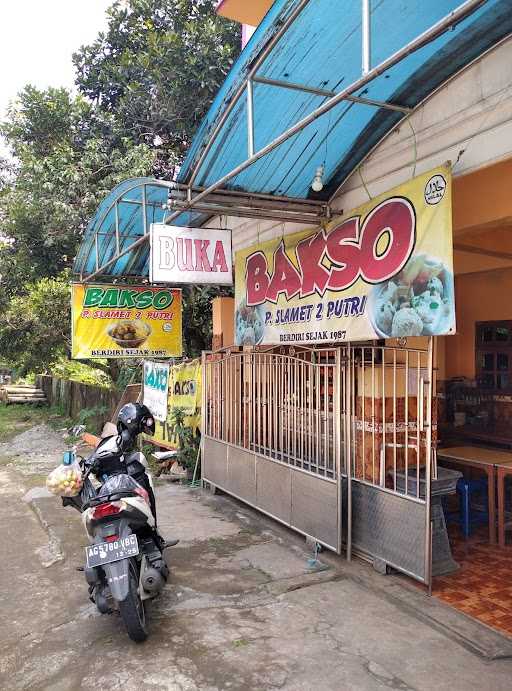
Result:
482,587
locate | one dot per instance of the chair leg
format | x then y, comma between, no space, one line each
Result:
465,511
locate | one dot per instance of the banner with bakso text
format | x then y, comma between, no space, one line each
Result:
384,270
120,321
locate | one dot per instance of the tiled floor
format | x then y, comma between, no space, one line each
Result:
482,587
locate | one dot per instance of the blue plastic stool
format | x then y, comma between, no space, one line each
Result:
469,515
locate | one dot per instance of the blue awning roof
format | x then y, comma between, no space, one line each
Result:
321,49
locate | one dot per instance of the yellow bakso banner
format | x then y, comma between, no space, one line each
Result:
383,270
112,321
185,393
185,388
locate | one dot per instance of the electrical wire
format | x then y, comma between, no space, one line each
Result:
415,146
463,150
360,171
327,136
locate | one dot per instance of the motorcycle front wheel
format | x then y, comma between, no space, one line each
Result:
132,609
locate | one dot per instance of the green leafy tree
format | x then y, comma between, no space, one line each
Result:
144,86
197,317
34,329
157,69
66,160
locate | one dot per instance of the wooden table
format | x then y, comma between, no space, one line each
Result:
486,460
491,434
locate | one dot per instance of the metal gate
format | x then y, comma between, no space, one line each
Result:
389,451
286,429
272,428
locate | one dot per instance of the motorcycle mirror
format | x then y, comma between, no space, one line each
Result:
68,457
124,439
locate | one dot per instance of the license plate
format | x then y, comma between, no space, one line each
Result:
107,552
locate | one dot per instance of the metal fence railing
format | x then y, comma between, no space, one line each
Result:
282,403
390,419
359,416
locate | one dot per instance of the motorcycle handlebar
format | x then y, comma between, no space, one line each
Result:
126,440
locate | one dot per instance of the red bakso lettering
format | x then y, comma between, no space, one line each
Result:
343,250
256,278
315,276
286,278
396,217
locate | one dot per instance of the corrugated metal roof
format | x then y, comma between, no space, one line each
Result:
321,49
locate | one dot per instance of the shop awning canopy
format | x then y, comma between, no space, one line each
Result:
320,83
122,219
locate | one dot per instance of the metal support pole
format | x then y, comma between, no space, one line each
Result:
424,39
347,421
293,86
428,467
429,35
217,209
236,97
250,118
117,229
205,393
338,422
96,251
366,36
144,210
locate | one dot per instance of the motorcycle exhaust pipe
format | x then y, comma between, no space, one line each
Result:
152,580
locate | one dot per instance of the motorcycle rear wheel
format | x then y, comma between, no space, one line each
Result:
132,609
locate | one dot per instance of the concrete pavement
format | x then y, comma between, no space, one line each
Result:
243,610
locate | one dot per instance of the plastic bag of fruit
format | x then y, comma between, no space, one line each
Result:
66,480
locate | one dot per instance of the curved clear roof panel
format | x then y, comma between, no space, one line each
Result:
321,51
123,218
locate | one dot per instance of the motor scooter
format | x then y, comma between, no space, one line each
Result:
125,565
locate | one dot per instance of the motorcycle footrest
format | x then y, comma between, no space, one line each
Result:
169,543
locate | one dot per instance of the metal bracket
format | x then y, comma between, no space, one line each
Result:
330,94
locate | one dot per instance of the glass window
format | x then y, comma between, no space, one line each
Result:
487,361
487,381
493,354
487,334
502,361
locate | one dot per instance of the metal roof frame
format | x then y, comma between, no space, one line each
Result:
264,207
212,199
368,73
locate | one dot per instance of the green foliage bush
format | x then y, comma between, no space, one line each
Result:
81,372
188,442
143,87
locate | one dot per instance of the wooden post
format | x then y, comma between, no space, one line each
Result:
223,322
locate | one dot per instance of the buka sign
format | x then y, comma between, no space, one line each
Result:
190,255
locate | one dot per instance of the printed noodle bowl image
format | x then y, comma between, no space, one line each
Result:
417,302
129,334
249,324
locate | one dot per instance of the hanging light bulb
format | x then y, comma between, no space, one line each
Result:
318,181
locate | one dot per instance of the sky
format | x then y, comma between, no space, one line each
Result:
38,38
